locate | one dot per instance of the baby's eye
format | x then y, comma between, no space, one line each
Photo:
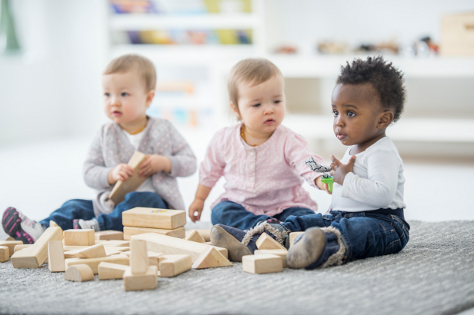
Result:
277,101
124,94
256,105
350,114
107,94
335,112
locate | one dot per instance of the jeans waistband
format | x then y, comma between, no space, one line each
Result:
398,212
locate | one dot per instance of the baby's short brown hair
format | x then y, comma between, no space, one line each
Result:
143,65
253,71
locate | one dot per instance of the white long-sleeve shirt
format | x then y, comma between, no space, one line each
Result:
376,182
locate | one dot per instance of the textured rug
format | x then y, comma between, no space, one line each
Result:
434,274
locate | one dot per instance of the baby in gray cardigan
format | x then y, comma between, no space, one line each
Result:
129,87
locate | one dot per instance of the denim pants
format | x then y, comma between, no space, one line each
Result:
364,234
83,209
233,214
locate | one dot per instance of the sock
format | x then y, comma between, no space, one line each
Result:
19,226
86,224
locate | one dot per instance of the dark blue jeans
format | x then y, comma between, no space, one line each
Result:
83,209
364,234
233,214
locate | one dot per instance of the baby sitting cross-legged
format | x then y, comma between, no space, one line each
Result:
366,216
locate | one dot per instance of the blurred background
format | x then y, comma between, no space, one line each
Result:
53,53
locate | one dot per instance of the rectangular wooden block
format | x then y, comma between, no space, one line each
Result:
173,265
277,252
146,281
94,262
262,263
121,188
35,256
4,253
11,245
79,237
56,256
111,271
129,231
154,218
138,256
108,235
174,246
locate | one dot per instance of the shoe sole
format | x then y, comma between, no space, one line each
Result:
307,250
221,238
11,223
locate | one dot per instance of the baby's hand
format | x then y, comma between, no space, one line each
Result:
120,172
153,164
195,209
339,170
322,186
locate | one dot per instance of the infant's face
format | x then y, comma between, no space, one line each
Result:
125,98
356,111
262,107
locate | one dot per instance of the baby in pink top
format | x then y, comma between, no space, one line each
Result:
262,161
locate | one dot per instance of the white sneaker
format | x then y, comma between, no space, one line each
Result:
20,227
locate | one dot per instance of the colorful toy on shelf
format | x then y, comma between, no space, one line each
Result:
326,178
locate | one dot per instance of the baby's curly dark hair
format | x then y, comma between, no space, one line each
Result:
386,80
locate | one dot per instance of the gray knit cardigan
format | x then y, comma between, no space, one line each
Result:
111,147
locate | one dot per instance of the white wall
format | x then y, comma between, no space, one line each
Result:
52,89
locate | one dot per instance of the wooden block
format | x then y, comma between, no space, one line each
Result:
154,218
111,271
108,235
211,258
9,238
205,234
79,237
4,253
115,243
95,251
11,245
79,273
173,246
278,252
146,281
35,256
265,241
129,231
138,257
21,246
55,256
294,236
173,265
121,188
262,263
94,262
153,258
194,236
53,224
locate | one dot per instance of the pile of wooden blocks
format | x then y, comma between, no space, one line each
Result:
140,261
269,257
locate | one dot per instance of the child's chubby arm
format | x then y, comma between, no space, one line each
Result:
195,209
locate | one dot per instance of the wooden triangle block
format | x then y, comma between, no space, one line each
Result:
211,258
194,236
95,251
265,241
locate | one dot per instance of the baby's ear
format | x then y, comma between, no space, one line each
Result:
385,119
235,109
149,97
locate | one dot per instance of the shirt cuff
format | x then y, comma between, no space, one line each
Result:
346,184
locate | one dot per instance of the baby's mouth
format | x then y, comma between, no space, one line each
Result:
269,121
116,113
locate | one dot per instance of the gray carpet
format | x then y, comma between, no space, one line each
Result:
434,274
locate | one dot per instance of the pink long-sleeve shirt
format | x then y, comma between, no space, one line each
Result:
266,179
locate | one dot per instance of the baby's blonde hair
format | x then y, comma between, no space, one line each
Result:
253,71
143,65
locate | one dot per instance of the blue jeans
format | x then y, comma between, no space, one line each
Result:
233,214
83,209
364,234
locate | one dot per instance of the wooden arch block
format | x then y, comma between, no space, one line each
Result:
211,258
79,273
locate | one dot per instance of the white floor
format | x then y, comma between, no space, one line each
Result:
38,178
